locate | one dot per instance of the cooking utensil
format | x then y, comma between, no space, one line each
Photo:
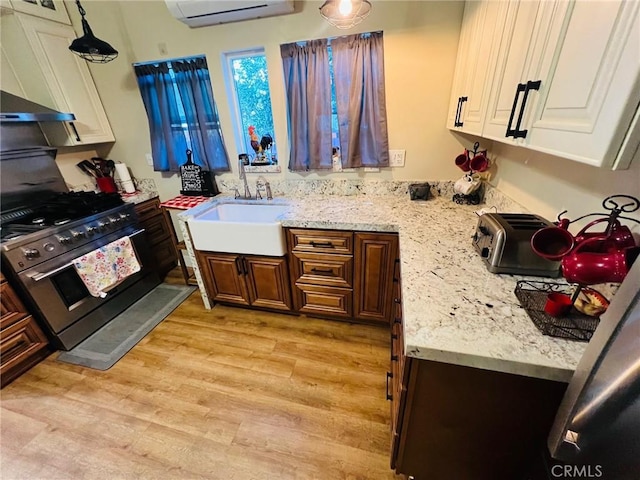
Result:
101,165
111,167
89,168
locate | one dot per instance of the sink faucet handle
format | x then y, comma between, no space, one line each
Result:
236,193
268,188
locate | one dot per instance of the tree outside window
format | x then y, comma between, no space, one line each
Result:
248,83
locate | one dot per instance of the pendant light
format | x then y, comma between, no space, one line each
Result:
89,47
345,13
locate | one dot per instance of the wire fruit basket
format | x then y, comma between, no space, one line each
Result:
574,325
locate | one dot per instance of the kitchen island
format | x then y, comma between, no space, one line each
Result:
454,310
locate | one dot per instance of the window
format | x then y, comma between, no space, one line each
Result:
336,99
247,81
182,114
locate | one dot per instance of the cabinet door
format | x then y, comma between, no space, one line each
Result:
474,65
22,345
267,282
531,32
593,89
49,9
375,256
11,308
223,275
69,85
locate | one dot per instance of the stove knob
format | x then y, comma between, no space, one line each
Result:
91,231
63,240
102,226
124,216
76,234
31,253
49,247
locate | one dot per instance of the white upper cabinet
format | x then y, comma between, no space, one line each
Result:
481,26
49,9
50,74
531,32
588,111
566,79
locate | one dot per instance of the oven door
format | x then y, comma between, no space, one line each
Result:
60,295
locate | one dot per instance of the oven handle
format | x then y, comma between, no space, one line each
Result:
41,276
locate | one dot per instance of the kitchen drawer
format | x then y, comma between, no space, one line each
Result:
325,301
321,241
22,345
323,269
11,308
148,209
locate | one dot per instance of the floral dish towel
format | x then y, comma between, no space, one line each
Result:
108,266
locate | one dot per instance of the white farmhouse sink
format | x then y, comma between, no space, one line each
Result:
252,229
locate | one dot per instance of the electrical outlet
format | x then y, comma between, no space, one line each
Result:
149,159
371,169
396,158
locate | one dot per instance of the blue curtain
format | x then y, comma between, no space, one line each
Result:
196,94
308,84
168,143
358,69
194,99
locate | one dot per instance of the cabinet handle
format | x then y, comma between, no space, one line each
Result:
462,100
322,244
394,358
237,262
394,336
389,396
521,88
530,86
322,271
455,120
397,320
396,300
245,265
75,131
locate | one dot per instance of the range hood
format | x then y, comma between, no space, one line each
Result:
17,109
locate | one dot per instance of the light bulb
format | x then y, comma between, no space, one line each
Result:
345,7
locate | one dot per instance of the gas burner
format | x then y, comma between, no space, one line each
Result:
38,221
62,221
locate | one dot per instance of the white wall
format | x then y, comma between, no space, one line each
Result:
548,185
420,48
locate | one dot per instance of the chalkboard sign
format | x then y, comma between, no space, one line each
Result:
194,180
191,177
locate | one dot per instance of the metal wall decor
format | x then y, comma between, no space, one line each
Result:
89,47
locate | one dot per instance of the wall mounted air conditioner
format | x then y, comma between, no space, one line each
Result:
198,13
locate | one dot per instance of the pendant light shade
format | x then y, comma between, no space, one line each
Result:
89,47
345,13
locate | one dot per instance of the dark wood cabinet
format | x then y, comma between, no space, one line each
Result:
342,274
375,255
22,342
247,280
160,235
452,421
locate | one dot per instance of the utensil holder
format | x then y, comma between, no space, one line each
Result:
106,184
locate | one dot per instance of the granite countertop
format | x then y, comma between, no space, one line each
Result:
454,309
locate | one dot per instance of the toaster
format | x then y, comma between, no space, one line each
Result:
503,241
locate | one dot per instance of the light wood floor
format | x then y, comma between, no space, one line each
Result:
226,394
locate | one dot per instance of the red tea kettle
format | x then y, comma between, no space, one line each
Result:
592,257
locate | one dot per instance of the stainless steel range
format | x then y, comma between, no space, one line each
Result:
44,228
